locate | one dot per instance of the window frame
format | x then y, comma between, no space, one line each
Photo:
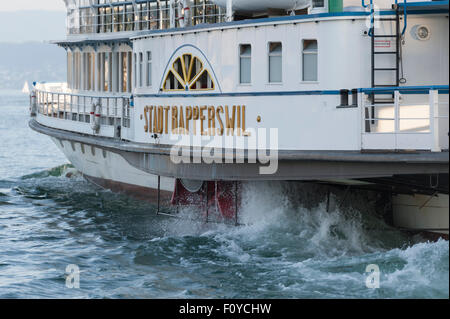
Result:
323,9
141,69
134,68
302,61
148,69
269,55
240,63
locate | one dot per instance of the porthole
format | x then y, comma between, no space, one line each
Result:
421,32
104,153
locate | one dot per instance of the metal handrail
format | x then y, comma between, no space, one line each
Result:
372,15
429,119
126,96
406,89
405,13
76,107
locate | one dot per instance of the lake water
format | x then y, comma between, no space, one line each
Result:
49,221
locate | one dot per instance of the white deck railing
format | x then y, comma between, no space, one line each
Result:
72,112
416,120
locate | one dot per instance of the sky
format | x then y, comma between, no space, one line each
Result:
17,5
32,20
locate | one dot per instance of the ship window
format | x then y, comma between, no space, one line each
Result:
106,72
90,71
125,72
203,82
116,75
69,69
118,19
310,60
135,69
245,63
318,3
142,16
141,69
75,70
172,82
108,20
129,17
275,62
149,68
153,16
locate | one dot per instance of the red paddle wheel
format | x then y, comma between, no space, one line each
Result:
215,199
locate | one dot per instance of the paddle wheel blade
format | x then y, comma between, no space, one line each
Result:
214,199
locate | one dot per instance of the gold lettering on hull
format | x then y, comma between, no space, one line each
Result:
220,120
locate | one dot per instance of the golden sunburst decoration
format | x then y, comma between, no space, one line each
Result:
188,73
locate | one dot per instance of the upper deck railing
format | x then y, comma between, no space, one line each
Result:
123,16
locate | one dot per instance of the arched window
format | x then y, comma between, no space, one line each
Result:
188,74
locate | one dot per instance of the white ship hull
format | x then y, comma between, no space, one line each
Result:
422,212
111,171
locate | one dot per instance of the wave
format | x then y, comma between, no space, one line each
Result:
66,170
353,222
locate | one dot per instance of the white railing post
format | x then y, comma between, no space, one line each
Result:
59,110
397,111
52,110
362,102
45,103
434,120
78,108
396,116
84,108
361,122
65,106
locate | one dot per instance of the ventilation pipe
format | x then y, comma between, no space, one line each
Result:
230,13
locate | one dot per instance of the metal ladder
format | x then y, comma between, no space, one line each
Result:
395,53
380,98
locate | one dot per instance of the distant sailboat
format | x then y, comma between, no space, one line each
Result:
26,88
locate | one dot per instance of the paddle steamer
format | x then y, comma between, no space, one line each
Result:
191,99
